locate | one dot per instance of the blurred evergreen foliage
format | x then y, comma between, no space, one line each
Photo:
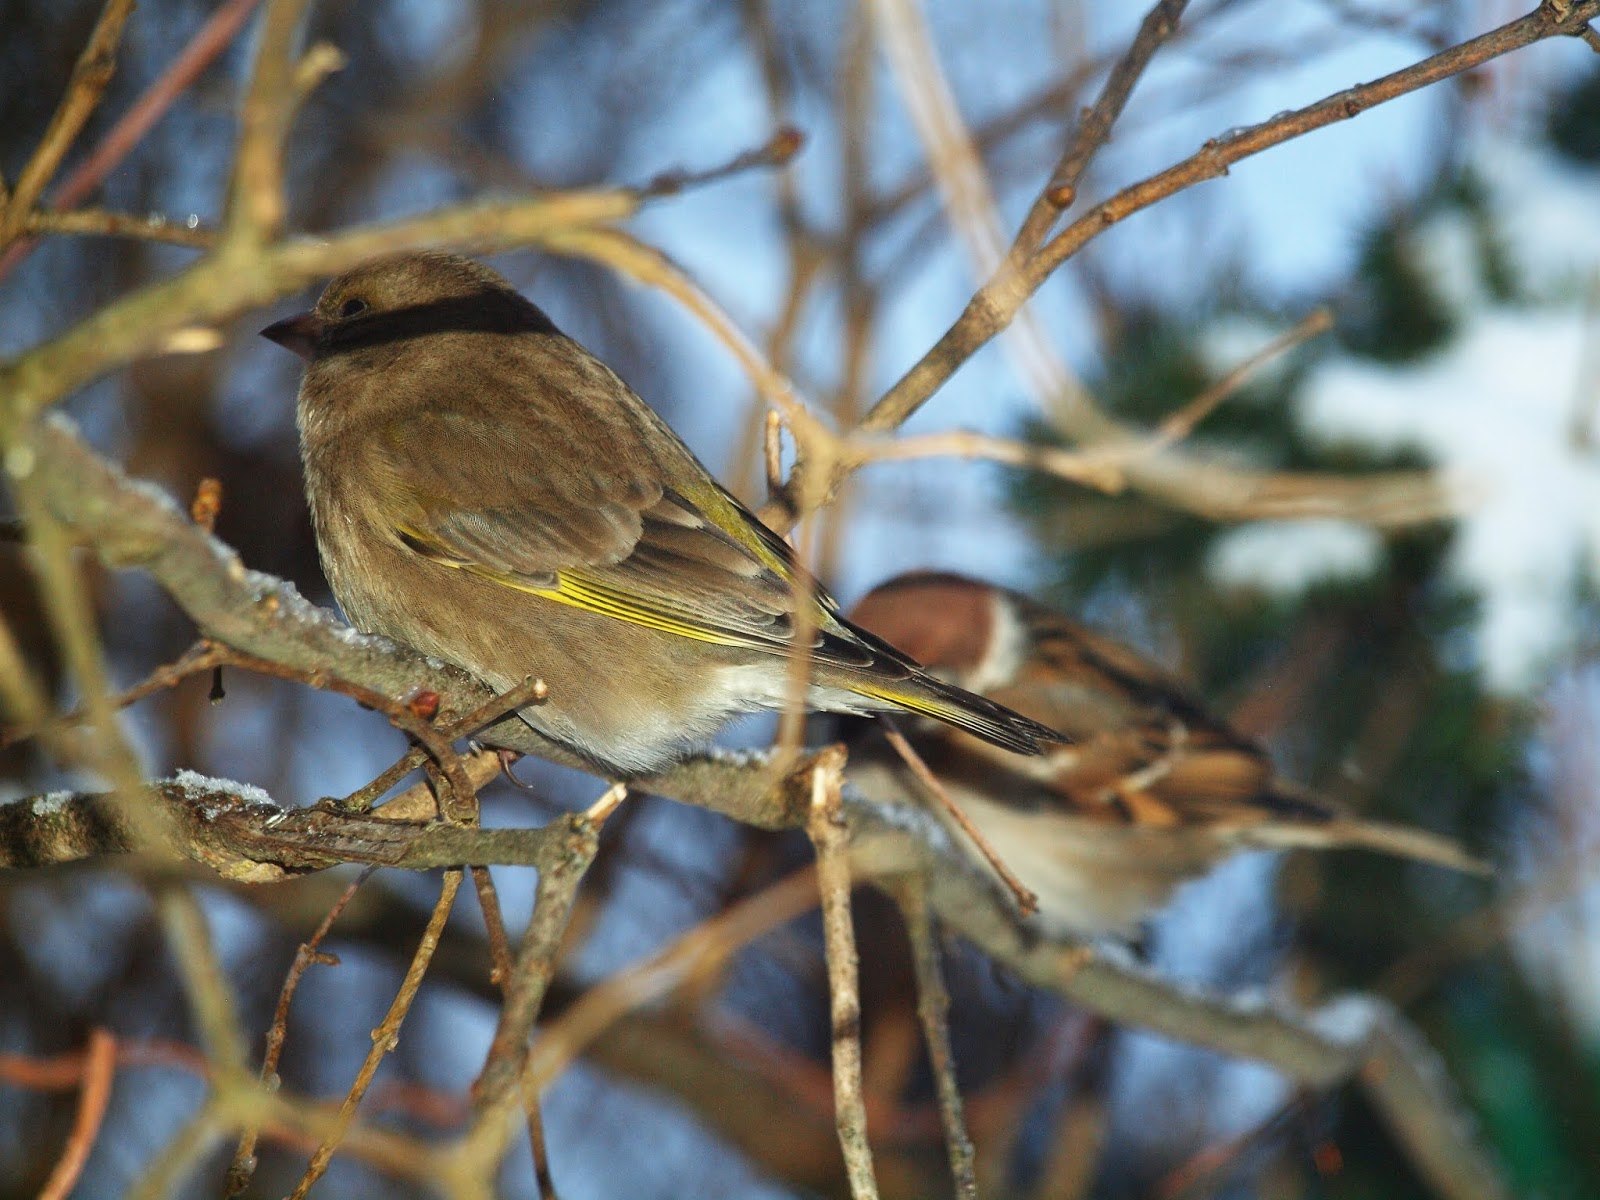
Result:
1395,720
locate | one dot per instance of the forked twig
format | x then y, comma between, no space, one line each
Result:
90,76
384,1038
243,1167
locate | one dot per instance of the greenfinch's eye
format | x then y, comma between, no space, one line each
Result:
352,308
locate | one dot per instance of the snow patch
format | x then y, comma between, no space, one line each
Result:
1448,252
51,803
1543,210
200,787
1502,408
1285,558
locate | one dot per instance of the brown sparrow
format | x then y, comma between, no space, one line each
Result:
1151,789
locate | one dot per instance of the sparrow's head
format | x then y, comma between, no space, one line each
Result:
948,623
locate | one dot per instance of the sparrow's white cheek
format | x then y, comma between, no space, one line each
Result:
1006,651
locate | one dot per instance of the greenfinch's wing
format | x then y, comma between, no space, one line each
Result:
641,533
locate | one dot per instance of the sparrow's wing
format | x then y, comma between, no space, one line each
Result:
1146,751
580,494
1107,683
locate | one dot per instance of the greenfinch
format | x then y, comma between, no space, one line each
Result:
486,491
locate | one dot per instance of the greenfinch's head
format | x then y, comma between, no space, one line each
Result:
405,296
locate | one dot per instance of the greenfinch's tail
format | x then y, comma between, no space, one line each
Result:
929,697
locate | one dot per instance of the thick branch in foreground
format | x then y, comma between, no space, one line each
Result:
234,830
133,524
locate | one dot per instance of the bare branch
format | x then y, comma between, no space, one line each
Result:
256,202
131,524
242,1169
91,222
1182,480
475,1159
1094,127
222,286
700,952
933,1007
90,76
99,1068
209,41
828,835
384,1037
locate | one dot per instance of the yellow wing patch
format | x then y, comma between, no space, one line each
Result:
578,593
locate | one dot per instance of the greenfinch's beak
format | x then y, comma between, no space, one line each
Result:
298,333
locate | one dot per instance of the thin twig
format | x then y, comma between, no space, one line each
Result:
1106,467
805,610
626,253
772,451
99,1068
70,612
502,968
694,956
777,151
369,793
827,833
496,1091
215,289
200,657
24,701
1024,896
95,222
209,41
968,197
90,76
384,1038
207,988
243,1167
256,201
530,691
458,801
858,298
181,1154
1094,127
1180,424
933,1008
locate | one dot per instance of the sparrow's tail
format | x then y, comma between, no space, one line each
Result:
1407,842
1315,823
929,697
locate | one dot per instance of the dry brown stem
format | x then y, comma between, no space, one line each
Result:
99,1064
696,955
384,1038
90,76
243,1167
933,1009
828,833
